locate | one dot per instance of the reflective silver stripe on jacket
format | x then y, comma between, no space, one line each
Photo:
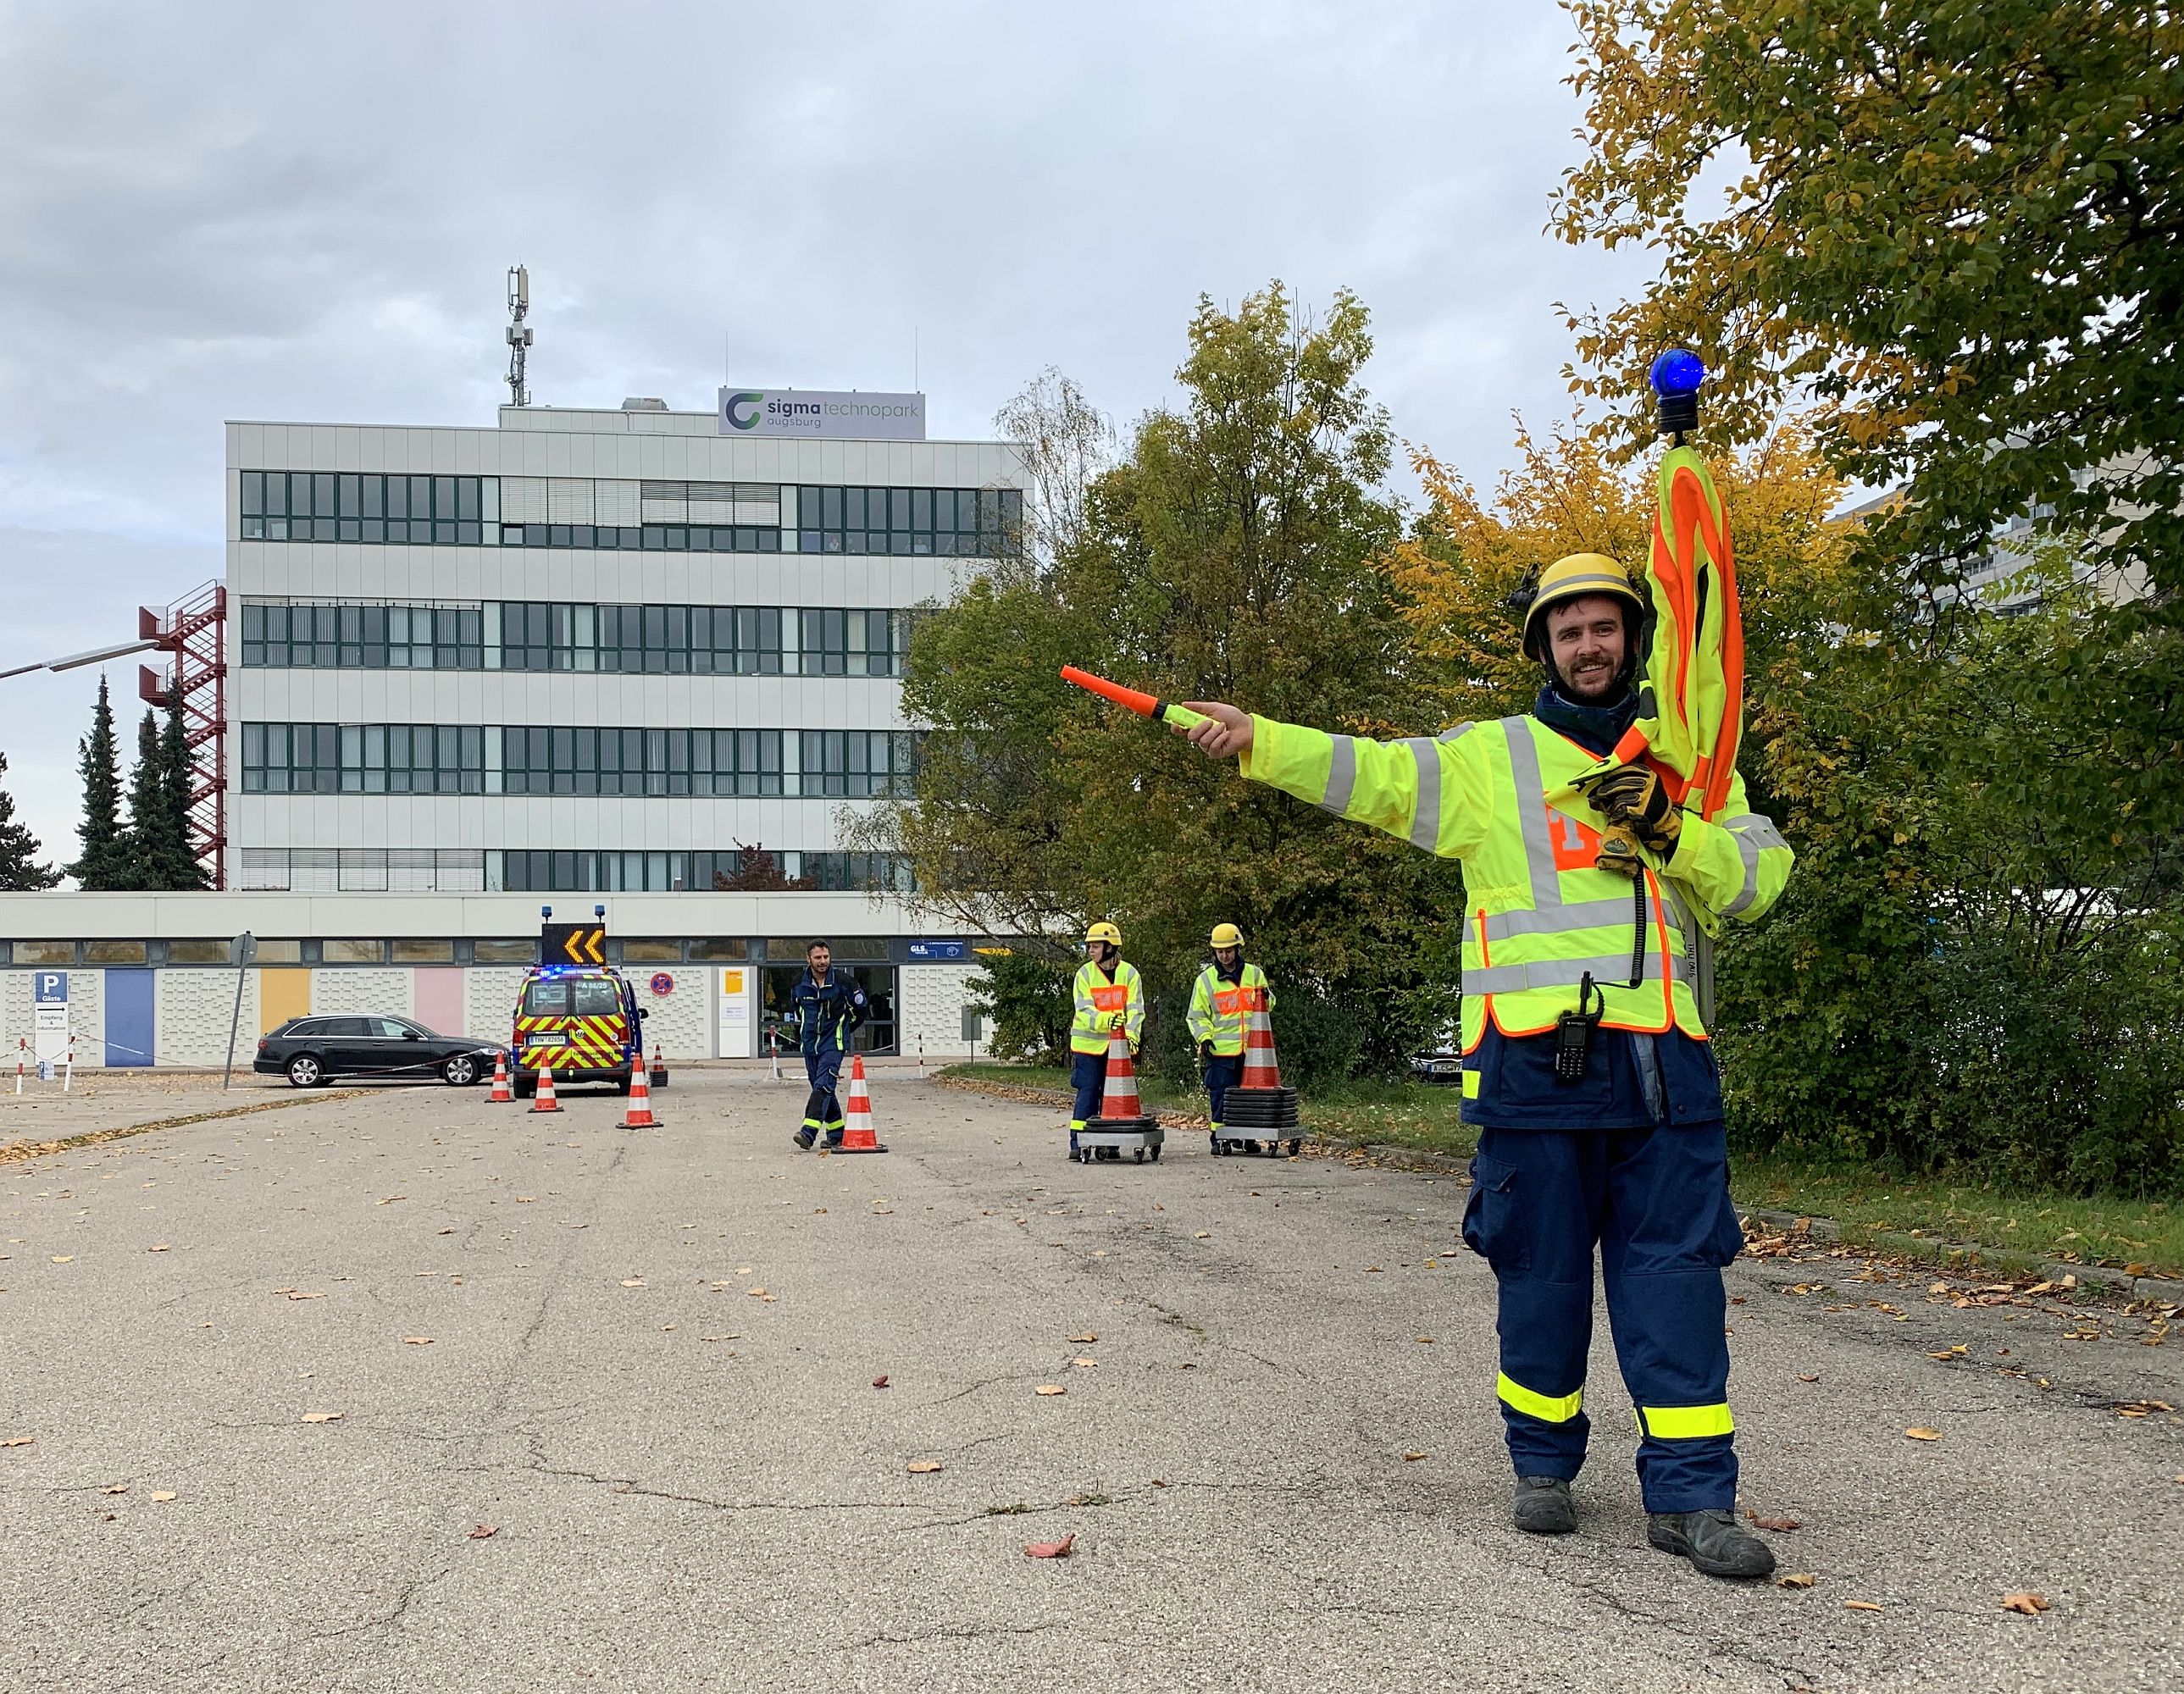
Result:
1753,833
1578,914
1532,816
1341,775
1425,820
1610,970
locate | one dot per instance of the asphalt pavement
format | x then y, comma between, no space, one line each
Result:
410,1391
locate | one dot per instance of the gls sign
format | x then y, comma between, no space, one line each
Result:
817,414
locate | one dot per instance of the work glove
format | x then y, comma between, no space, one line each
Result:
1117,1020
1635,797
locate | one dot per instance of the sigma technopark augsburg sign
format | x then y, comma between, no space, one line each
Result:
817,414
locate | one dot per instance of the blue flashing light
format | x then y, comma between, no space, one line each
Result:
1676,372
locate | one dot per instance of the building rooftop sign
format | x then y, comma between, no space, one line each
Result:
818,415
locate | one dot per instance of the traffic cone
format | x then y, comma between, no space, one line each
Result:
1260,1070
639,1115
502,1093
659,1067
1118,1095
860,1137
545,1101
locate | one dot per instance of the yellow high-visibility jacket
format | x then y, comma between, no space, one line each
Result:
1540,915
1099,997
1218,1007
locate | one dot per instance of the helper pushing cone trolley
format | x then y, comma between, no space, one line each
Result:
1121,1126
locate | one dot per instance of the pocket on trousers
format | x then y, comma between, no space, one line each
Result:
1726,1240
1489,1223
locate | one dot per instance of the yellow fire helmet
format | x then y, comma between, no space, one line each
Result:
1568,578
1227,935
1104,931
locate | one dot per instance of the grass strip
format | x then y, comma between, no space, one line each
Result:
1909,1213
18,1152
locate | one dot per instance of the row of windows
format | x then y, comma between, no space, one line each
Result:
558,871
540,635
469,511
451,870
515,759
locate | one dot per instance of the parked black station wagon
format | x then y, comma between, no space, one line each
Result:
307,1050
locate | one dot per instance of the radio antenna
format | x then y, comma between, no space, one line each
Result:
519,334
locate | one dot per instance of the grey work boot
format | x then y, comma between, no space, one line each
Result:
1542,1506
1714,1541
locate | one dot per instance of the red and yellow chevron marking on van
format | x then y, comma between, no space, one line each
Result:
593,1040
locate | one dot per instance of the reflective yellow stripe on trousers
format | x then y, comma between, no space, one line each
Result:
1685,1423
1548,1408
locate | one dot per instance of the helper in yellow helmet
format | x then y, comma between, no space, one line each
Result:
1587,1069
1109,997
1220,1000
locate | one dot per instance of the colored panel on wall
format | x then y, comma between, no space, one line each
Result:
439,998
281,995
130,1032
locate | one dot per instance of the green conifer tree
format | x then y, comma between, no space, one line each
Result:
107,859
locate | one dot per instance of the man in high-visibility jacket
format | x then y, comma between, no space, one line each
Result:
1586,1068
1220,1002
1109,997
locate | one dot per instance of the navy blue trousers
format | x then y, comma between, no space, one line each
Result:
1655,1204
823,1110
1222,1074
1088,1074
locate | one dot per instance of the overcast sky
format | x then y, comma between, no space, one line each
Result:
304,212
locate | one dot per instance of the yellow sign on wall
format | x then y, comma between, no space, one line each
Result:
731,982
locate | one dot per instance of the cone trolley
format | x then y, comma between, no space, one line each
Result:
1121,1126
1259,1112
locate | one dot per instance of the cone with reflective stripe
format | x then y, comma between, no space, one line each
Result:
502,1093
1260,1070
545,1101
859,1136
1118,1095
639,1115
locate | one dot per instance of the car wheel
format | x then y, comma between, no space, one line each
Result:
304,1071
461,1071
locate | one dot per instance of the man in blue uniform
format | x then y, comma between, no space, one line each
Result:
828,1009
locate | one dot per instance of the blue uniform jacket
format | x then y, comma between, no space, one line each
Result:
826,1013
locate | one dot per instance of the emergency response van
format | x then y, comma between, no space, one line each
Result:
581,1018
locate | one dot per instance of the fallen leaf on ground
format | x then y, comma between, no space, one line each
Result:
742,1270
879,1382
1203,1235
1796,1578
1424,1340
162,1248
163,1494
1924,1435
525,1199
756,1292
1412,1459
416,1340
925,1467
1777,1523
390,1200
307,1296
323,1417
32,1441
1373,1270
1814,1378
117,1488
633,1282
1158,1483
1050,1549
1084,1364
484,1532
1083,1340
1052,1388
63,1258
1861,1606
2030,1605
669,1328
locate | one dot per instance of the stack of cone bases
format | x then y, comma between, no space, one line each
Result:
545,1101
1119,1105
639,1115
859,1136
502,1095
1259,1107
